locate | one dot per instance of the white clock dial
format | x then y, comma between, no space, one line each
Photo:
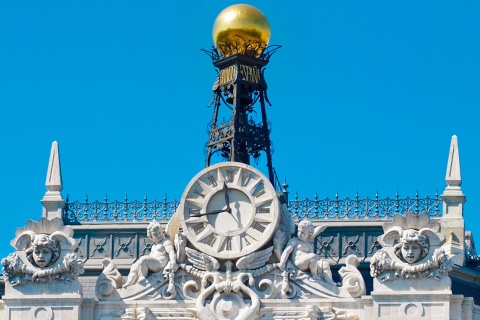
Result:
229,210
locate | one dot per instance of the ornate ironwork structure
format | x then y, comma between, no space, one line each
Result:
119,211
357,209
313,209
240,86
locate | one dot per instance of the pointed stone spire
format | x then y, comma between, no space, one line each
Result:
453,224
52,201
453,176
54,173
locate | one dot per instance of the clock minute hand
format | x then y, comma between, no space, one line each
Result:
227,198
208,213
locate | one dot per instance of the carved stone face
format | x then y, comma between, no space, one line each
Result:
303,234
156,233
42,256
411,251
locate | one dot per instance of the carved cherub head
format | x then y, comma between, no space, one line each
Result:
412,246
43,250
411,236
305,230
155,232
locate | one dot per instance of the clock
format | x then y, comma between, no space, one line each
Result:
229,210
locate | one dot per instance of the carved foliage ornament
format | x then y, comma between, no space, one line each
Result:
44,252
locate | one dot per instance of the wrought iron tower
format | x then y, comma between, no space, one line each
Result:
240,56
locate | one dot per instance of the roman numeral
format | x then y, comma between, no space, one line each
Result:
211,240
247,180
229,175
194,210
199,193
259,193
212,180
229,244
257,226
198,228
247,239
257,189
264,210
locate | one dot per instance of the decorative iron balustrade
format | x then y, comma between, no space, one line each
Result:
361,209
119,211
313,209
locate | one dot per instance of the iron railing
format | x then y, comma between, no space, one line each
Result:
361,209
119,211
313,209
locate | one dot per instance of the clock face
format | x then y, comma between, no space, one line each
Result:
229,210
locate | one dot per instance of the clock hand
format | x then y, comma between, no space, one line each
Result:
227,198
208,213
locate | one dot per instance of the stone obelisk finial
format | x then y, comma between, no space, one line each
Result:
453,224
453,176
453,198
52,201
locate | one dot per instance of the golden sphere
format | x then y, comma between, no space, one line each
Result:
241,29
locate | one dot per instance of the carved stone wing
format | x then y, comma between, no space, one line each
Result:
65,241
279,243
284,233
254,260
201,260
391,237
317,231
23,241
286,221
434,238
180,242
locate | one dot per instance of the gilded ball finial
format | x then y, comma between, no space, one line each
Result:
241,29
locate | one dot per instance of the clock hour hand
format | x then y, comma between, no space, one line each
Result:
208,213
227,198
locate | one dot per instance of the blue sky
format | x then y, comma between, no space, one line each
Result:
366,96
